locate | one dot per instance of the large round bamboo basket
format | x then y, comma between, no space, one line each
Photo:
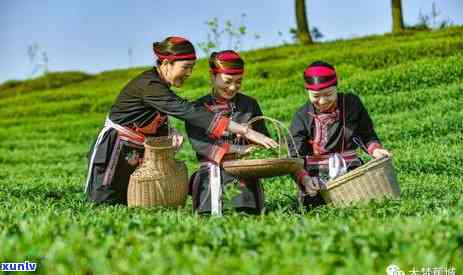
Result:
285,164
374,180
160,180
263,168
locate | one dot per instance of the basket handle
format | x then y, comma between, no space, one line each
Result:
281,129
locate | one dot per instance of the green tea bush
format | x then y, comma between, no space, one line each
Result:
408,76
362,57
49,81
390,42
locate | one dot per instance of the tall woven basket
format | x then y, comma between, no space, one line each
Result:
160,180
374,180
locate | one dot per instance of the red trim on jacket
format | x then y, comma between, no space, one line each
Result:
220,126
300,176
217,153
153,126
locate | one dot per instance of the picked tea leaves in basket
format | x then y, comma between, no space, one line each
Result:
265,163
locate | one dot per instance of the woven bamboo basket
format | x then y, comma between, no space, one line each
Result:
284,164
374,180
160,180
263,168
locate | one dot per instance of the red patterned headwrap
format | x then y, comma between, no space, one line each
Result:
319,75
176,40
228,56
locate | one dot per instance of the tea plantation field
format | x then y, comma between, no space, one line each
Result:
412,86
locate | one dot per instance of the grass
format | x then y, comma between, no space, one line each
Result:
412,86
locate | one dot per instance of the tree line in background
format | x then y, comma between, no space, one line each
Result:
307,36
302,33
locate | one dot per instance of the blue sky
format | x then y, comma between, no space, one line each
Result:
93,36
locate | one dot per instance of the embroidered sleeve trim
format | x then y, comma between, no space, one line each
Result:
216,153
218,126
300,175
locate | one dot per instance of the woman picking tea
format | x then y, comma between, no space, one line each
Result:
211,180
327,130
140,110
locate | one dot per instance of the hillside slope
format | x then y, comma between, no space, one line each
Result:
412,86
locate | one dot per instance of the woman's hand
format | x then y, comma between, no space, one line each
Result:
135,159
381,153
309,186
260,139
177,139
240,149
253,136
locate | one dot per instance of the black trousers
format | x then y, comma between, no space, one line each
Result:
110,179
